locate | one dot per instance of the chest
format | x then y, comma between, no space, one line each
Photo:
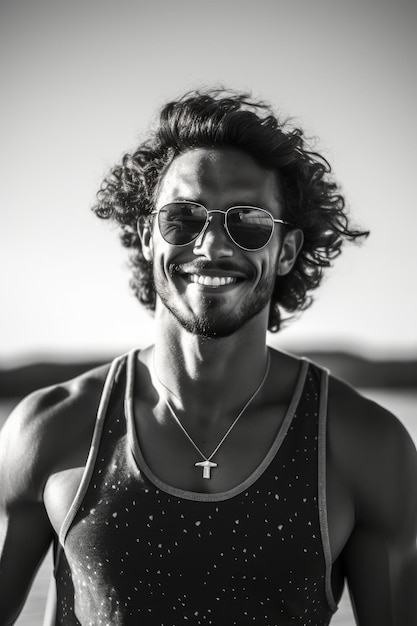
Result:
279,443
296,480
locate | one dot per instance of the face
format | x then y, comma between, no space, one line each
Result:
211,286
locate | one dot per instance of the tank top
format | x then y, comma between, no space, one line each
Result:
134,550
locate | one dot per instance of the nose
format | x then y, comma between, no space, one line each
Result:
213,242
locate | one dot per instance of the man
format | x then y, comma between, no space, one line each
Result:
209,479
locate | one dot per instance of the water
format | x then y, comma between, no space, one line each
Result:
401,402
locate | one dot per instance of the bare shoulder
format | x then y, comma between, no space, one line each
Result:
357,420
47,426
374,455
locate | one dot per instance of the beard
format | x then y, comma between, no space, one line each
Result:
212,322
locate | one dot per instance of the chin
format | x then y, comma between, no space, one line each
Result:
214,319
215,325
207,330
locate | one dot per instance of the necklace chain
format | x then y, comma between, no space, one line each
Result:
207,464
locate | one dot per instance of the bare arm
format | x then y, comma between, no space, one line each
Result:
49,432
380,557
25,531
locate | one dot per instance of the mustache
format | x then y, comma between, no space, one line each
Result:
200,265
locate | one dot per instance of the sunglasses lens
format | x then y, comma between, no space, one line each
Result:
181,222
250,228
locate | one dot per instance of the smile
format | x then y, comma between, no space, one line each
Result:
212,281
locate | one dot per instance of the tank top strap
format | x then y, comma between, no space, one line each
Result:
113,375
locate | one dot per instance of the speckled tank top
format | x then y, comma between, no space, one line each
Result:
136,551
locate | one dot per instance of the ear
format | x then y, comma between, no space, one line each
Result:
292,244
144,228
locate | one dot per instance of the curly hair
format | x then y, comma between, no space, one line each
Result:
313,201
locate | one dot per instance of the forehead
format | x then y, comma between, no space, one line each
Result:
224,175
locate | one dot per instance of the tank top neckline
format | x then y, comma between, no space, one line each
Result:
194,495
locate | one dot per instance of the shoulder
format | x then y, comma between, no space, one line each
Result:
373,454
362,421
47,425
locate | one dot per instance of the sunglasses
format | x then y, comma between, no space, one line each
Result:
249,227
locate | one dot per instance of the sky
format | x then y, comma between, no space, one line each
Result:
82,81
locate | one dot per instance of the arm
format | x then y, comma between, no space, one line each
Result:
25,531
380,557
48,433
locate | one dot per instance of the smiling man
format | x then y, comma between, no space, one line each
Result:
209,479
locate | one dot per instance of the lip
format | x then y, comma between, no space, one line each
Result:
212,280
212,271
215,278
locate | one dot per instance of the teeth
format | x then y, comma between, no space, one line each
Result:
212,281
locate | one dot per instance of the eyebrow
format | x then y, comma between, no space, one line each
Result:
235,204
184,199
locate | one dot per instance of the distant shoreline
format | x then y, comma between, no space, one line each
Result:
357,370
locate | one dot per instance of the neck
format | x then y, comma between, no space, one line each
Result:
213,373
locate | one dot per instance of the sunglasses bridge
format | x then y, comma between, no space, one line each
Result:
208,213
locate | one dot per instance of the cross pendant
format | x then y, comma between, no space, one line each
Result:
207,466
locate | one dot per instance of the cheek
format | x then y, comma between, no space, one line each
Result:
166,258
268,264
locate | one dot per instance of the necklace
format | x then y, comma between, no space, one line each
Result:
207,465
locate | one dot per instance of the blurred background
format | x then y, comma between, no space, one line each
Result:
82,83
